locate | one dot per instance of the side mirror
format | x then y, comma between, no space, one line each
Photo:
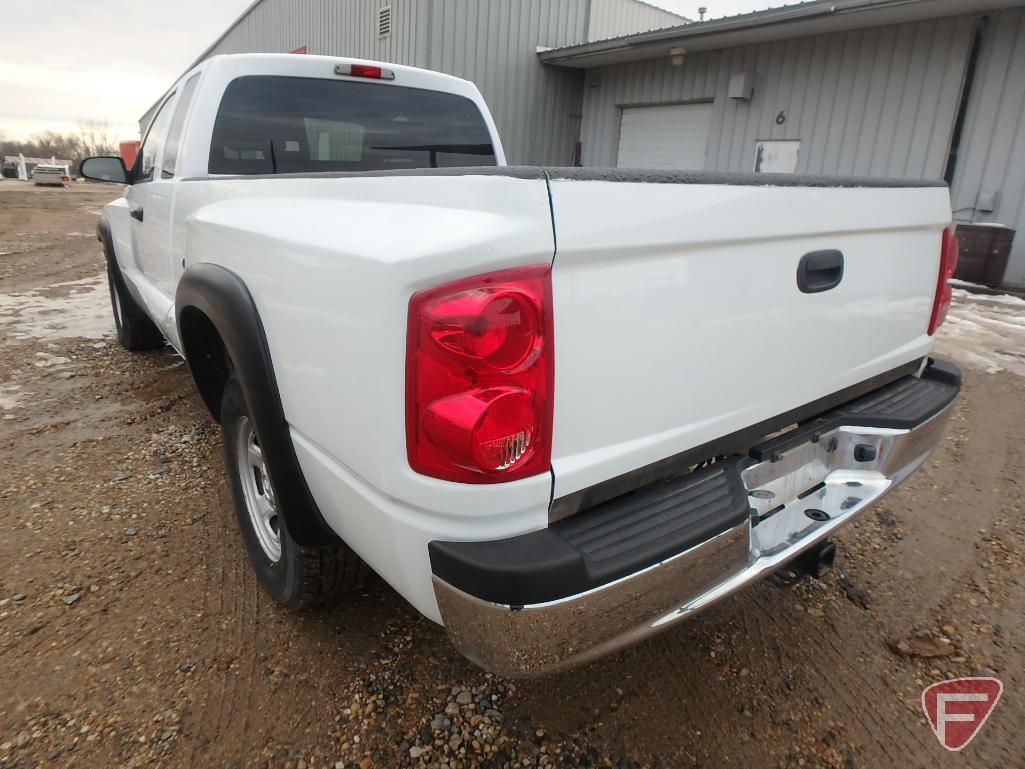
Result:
104,169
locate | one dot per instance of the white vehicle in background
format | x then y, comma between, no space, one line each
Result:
557,409
51,176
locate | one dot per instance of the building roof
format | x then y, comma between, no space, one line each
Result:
252,6
37,161
799,20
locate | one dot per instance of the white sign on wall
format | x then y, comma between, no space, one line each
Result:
776,157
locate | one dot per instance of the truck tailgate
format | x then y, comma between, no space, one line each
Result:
679,318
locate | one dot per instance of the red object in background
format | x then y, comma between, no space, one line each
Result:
128,151
300,49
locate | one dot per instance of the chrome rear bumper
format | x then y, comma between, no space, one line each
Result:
828,475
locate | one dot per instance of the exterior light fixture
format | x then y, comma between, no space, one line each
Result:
676,56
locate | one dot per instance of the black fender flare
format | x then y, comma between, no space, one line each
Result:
113,269
223,298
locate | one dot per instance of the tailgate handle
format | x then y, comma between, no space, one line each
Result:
820,271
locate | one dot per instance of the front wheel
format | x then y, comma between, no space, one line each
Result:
294,575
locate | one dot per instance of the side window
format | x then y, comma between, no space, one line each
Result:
151,145
169,164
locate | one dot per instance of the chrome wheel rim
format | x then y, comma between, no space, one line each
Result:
257,492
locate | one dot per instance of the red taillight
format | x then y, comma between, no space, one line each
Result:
944,293
479,377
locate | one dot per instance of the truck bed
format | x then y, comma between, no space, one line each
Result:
677,318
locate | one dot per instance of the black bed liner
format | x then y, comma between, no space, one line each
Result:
622,175
641,176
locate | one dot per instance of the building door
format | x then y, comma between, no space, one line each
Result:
673,137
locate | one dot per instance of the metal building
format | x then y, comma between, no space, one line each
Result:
905,88
494,43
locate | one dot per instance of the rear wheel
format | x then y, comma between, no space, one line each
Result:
135,331
293,575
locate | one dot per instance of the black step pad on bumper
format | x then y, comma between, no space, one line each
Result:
639,529
902,405
607,542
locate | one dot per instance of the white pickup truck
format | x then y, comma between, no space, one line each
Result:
557,409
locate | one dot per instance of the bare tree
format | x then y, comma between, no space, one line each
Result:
96,137
55,144
93,137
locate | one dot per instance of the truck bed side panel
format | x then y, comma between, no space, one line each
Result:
331,264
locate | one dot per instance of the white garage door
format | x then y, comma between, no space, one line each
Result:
665,137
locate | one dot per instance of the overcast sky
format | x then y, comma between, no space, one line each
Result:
63,61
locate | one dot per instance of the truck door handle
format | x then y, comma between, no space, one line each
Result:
135,213
819,271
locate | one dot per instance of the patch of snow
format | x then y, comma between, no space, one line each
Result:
1014,301
49,361
10,398
83,311
986,333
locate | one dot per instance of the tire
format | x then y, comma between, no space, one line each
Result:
135,331
295,576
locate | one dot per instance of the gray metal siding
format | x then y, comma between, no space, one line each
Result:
879,101
494,43
331,27
992,155
612,18
491,42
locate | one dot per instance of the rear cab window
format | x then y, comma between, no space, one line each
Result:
269,124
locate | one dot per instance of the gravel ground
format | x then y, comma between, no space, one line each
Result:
132,633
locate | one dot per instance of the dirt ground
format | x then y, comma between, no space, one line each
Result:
133,634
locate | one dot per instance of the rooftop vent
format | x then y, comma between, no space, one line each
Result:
384,22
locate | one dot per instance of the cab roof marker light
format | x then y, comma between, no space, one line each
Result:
364,70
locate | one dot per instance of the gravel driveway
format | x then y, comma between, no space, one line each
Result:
132,633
